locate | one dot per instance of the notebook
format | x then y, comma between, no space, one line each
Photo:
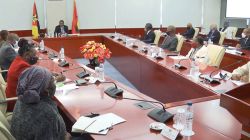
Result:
97,125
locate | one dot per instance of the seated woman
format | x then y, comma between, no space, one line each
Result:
200,53
25,58
35,115
242,73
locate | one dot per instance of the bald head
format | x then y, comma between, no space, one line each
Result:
12,38
171,29
4,35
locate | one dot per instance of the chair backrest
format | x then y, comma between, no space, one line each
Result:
180,42
1,78
157,36
232,31
5,133
4,120
3,106
222,37
215,54
196,32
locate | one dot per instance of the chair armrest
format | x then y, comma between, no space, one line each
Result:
8,100
1,71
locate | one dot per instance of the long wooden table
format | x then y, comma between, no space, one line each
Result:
211,122
157,79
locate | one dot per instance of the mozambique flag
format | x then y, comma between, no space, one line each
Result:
35,23
75,22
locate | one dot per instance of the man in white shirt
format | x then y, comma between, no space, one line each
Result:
200,53
242,73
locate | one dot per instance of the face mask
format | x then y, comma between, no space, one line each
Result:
33,60
243,35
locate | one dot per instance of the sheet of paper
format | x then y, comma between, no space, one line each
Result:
231,51
82,123
64,89
178,57
217,76
238,83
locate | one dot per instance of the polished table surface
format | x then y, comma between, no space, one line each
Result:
166,83
210,120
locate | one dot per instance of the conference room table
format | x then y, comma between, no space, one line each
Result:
155,78
211,122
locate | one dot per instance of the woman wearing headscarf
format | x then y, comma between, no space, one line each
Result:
35,116
25,58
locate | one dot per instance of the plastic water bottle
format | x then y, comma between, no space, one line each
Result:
41,45
101,72
188,126
62,54
194,71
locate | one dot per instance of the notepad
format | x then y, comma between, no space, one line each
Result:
97,125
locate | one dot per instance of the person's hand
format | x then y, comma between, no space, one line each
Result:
238,46
236,77
67,136
60,78
244,78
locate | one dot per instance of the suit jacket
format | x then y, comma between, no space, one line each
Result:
214,36
7,55
58,29
170,43
149,37
189,34
245,43
223,29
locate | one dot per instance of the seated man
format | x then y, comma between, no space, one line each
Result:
213,35
171,41
200,53
189,34
245,40
225,26
149,36
61,29
3,37
242,73
7,53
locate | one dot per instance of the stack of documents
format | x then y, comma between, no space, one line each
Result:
97,125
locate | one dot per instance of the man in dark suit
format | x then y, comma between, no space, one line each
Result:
149,36
171,41
225,26
61,29
213,35
7,53
245,39
189,34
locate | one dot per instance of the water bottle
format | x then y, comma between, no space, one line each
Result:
101,72
62,54
188,126
41,45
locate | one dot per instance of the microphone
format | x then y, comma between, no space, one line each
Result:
157,114
113,91
212,80
179,66
63,63
52,55
79,75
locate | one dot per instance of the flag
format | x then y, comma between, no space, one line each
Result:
35,23
75,22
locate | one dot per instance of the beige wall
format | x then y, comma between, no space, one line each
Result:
96,14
